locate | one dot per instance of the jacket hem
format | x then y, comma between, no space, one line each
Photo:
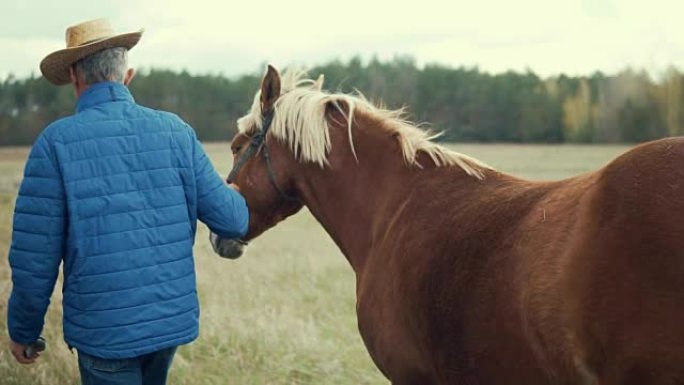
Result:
132,352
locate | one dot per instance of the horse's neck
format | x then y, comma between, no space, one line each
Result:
350,206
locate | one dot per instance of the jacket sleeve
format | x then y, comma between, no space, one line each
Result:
220,207
38,235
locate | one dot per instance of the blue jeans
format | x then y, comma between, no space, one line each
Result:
149,369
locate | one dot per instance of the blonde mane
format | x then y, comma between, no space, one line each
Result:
300,122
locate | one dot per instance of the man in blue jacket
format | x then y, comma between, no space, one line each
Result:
114,192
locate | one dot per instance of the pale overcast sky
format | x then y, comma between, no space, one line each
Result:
236,37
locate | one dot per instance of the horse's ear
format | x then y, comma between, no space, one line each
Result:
270,88
318,84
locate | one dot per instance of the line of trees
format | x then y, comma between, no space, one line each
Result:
465,103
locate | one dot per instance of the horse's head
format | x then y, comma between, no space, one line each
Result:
262,168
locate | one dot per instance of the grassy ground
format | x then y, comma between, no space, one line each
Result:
282,314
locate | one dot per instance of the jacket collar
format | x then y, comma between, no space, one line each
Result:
102,93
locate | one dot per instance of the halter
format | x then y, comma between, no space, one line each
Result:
258,141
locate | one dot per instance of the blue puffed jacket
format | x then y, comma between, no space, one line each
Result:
114,192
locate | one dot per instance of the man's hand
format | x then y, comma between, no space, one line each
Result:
18,353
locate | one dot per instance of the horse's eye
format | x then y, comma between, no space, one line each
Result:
236,149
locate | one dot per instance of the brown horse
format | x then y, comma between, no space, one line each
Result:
466,275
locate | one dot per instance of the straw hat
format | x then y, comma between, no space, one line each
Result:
82,40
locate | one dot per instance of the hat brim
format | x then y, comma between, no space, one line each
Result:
55,66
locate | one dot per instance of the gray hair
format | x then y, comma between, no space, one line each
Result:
108,65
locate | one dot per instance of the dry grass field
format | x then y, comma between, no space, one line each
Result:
284,312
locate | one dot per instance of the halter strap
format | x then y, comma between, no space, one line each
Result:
258,141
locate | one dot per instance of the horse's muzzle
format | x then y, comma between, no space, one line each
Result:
227,248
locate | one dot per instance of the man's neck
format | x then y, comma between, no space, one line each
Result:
79,88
